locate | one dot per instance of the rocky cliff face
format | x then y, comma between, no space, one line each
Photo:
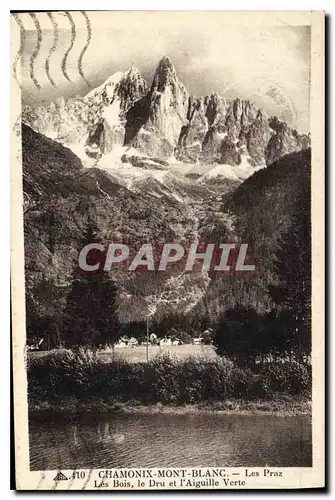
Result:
225,130
110,103
284,140
166,121
97,120
154,122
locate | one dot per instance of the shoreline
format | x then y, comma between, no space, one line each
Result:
279,407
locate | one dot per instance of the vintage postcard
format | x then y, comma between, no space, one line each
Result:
167,250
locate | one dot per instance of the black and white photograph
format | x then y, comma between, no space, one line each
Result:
167,266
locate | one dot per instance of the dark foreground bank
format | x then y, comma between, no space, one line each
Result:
72,380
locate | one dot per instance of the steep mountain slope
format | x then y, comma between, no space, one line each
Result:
61,197
264,208
265,202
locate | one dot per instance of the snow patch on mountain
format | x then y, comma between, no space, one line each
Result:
108,86
225,171
112,113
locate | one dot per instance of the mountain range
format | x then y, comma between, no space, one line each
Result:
156,164
163,120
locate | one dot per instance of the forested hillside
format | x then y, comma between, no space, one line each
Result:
62,197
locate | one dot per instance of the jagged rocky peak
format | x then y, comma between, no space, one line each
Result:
155,121
111,102
134,78
166,82
165,121
224,130
134,72
127,87
165,72
284,140
166,62
103,109
106,87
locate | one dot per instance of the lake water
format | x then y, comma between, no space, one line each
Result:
116,440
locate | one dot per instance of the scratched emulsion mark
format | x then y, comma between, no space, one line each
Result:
73,37
36,49
20,51
88,479
56,480
40,482
17,125
70,483
53,48
88,41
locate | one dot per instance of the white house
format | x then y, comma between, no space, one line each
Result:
165,341
120,344
132,342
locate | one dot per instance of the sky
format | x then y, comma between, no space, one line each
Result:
265,63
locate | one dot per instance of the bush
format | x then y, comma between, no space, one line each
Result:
166,379
242,380
286,376
260,388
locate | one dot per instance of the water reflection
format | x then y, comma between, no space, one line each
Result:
106,440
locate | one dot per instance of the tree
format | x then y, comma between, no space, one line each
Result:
292,294
207,337
91,313
277,339
43,301
239,335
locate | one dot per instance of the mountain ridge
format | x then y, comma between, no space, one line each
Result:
164,120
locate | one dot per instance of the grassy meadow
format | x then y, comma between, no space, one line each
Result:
138,354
